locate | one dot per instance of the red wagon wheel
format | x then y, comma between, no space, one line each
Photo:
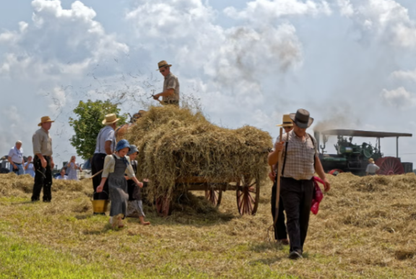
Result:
389,166
163,206
214,196
248,194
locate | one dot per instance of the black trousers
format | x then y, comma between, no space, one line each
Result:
279,227
97,164
43,179
297,200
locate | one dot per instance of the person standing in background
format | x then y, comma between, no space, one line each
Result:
16,158
372,168
43,161
71,169
29,167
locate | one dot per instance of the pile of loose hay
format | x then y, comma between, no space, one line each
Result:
178,143
67,195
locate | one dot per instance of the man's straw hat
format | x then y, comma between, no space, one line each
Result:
287,122
161,64
45,119
110,119
371,160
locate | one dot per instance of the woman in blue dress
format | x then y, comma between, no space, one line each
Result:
28,167
115,166
71,169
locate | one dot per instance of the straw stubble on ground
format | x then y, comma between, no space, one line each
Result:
364,229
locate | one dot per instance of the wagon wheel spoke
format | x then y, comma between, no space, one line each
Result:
247,196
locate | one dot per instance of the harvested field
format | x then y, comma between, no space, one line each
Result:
365,229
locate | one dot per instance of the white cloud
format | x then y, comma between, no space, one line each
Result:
14,127
399,98
405,75
57,42
384,19
345,7
263,11
233,60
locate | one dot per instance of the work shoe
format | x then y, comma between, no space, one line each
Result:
294,255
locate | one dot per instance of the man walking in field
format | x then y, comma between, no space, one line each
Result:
43,161
170,94
15,158
299,162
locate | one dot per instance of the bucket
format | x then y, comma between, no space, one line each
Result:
99,206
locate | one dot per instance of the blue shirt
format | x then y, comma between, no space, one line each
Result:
106,134
16,155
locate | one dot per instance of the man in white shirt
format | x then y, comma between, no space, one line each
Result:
372,168
16,158
106,143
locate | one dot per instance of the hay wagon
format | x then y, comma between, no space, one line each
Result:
247,191
180,151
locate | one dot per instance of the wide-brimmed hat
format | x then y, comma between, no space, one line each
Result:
110,119
287,122
302,118
161,64
122,144
133,149
371,160
45,119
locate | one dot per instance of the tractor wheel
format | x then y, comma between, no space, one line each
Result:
389,166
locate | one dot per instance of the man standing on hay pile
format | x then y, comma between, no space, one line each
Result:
106,143
170,94
43,161
299,163
15,158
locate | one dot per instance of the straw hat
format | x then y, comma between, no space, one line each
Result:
302,118
161,64
110,119
45,119
287,122
371,160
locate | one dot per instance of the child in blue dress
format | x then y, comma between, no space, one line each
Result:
115,166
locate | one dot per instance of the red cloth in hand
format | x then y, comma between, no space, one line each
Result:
317,195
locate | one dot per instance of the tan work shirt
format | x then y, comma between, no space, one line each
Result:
300,156
171,82
42,142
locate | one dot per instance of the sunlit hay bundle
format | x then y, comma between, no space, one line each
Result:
12,185
176,143
82,186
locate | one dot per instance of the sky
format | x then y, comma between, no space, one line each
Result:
350,63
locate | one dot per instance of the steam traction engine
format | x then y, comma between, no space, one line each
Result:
353,157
